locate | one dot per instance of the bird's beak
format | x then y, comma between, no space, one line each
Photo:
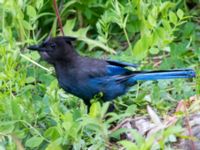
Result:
36,48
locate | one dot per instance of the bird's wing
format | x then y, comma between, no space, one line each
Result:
118,68
121,64
112,70
95,68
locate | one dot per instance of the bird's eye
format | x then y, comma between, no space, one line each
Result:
52,45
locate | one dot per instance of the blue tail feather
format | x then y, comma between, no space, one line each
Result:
164,74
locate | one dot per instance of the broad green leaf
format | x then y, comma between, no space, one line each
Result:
131,109
81,35
54,146
180,13
172,17
35,55
116,134
26,25
95,43
139,139
16,111
173,130
152,20
69,26
30,80
149,143
68,121
104,109
95,109
68,117
31,12
154,11
34,141
189,28
140,49
39,3
7,127
94,125
154,50
166,5
88,13
161,34
52,133
166,25
128,145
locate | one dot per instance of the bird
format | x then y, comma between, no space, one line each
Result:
86,77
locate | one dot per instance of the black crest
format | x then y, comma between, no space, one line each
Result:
69,38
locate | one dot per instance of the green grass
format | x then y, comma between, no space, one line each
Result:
36,114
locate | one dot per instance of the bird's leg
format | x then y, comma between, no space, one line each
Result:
88,104
111,107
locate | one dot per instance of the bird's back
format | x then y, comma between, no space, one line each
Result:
87,77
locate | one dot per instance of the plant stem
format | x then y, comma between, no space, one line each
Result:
35,63
127,38
58,17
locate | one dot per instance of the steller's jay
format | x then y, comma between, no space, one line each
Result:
86,77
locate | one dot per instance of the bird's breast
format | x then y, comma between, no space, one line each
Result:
67,85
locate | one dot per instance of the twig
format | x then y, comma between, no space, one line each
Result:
58,16
121,124
188,126
35,63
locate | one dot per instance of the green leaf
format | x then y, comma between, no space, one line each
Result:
54,146
140,49
116,134
52,133
39,3
128,145
172,17
31,12
16,112
152,20
26,25
131,109
81,35
173,130
137,136
166,25
68,121
161,33
154,11
95,109
189,28
30,80
180,13
166,5
34,141
69,26
35,55
154,50
7,127
104,109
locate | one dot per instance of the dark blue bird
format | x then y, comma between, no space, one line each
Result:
86,77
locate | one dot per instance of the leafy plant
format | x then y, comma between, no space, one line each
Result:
36,114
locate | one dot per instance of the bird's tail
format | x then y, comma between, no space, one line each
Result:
163,74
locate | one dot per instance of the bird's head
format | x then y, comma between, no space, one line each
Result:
55,49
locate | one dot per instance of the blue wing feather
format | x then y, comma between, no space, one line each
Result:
112,70
121,64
